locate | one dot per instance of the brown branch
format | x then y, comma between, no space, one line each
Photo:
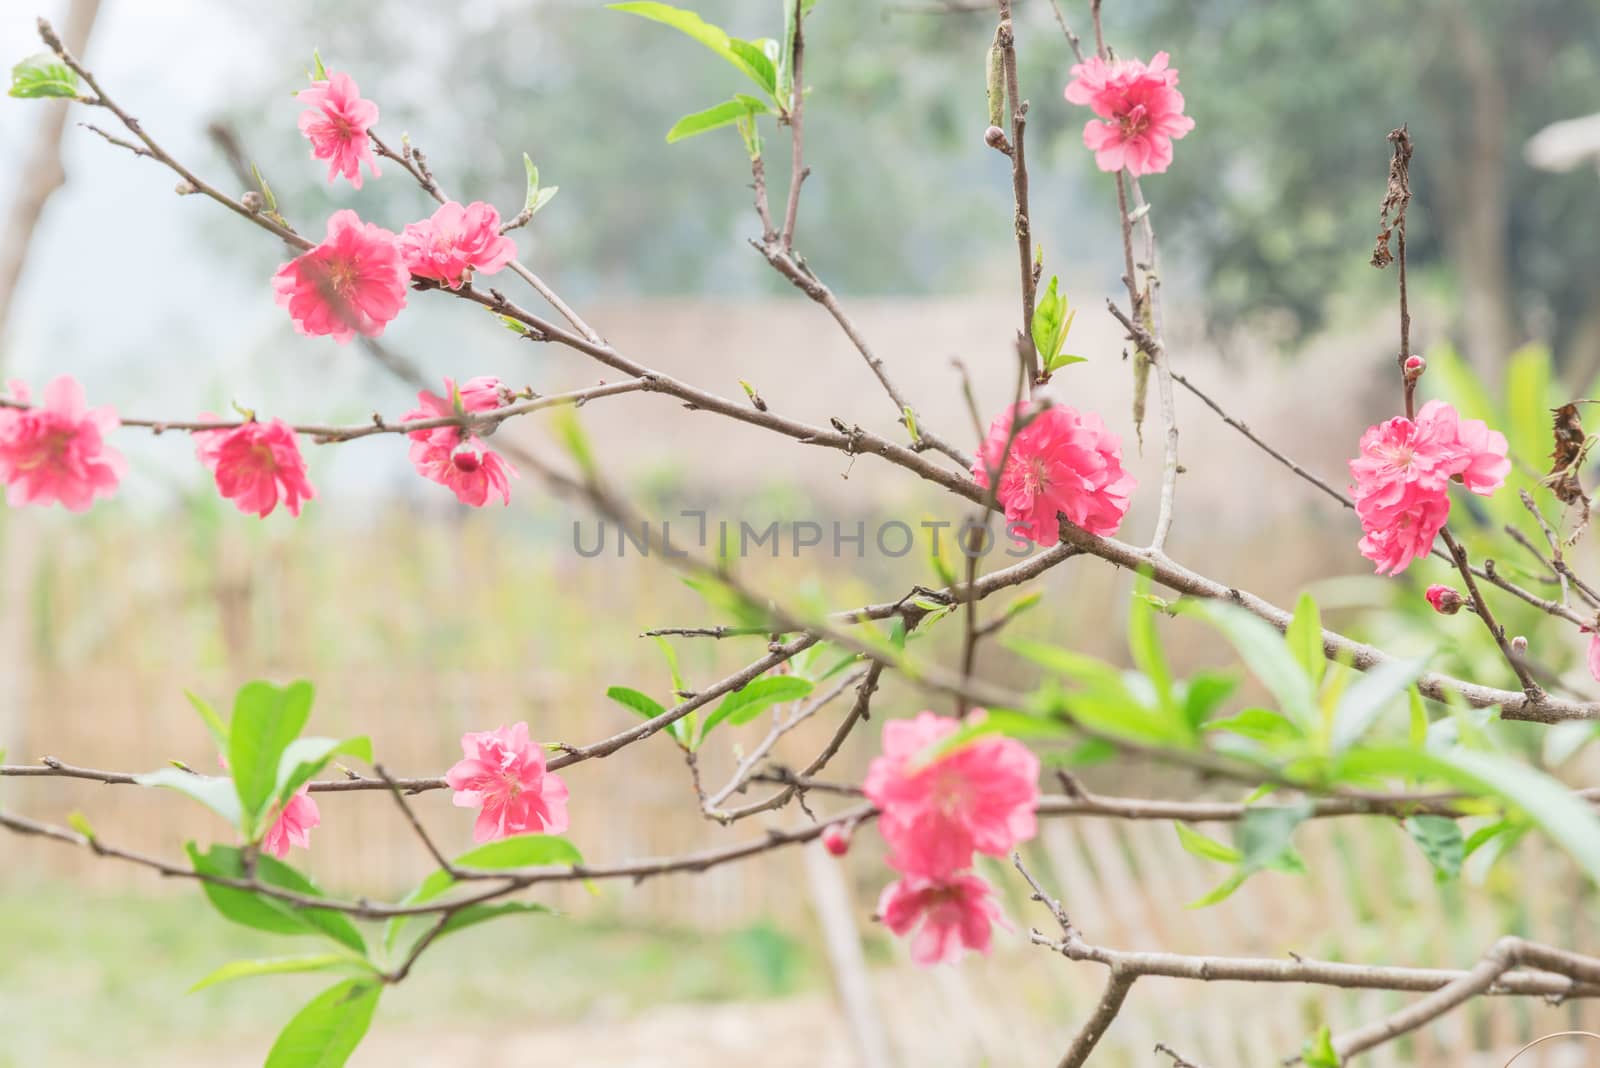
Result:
471,422
1506,954
1006,39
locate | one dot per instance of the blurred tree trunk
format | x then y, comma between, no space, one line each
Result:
42,175
1476,204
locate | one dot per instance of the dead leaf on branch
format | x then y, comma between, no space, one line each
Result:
1572,445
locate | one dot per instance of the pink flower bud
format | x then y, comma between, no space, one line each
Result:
1445,600
836,840
1414,366
1519,645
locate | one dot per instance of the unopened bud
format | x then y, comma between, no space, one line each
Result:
1414,366
1519,645
836,839
252,201
1445,600
995,137
184,188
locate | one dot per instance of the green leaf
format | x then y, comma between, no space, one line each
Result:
673,668
1304,638
755,697
1551,807
1204,692
1221,892
266,718
1527,403
43,75
536,197
714,118
635,701
1263,650
328,1030
742,54
1265,837
523,851
1362,704
1260,724
1145,644
791,25
213,721
250,909
269,201
248,969
1048,314
1483,835
1208,848
216,793
303,758
1318,1051
473,915
319,73
1441,842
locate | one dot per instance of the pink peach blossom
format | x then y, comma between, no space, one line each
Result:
935,813
1593,656
254,464
56,452
503,774
293,826
354,282
451,456
1060,461
1404,533
1140,109
1403,474
955,914
336,122
455,242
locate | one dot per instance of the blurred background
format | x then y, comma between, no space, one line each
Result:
418,619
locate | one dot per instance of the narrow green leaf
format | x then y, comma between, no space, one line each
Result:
473,915
1145,645
328,1030
1221,892
319,73
742,54
1263,650
248,969
250,909
545,196
212,720
1304,638
1362,704
713,118
41,76
266,718
1550,806
1258,724
523,851
636,702
1208,848
744,705
1204,692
